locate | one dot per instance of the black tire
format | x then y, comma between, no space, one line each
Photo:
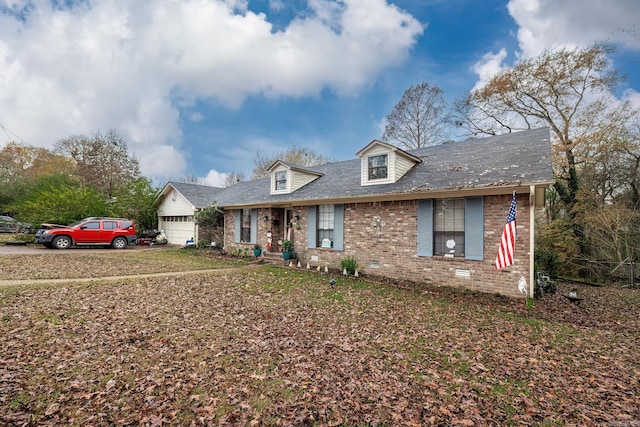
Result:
119,243
61,242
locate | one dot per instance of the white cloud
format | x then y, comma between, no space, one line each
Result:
196,116
488,66
633,97
276,5
161,162
545,24
550,24
129,66
214,179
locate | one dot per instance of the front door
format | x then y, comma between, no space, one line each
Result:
288,221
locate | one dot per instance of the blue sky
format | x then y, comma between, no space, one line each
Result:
198,87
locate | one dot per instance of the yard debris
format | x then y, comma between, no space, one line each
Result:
255,345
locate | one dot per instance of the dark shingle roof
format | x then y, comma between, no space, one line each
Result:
198,195
514,159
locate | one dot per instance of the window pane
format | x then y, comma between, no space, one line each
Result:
377,167
245,224
448,225
281,180
325,223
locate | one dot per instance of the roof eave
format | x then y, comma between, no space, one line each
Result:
413,194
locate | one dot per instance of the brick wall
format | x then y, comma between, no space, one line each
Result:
382,237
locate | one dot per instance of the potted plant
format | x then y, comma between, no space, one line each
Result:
287,249
257,250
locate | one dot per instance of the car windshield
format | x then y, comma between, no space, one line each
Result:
73,224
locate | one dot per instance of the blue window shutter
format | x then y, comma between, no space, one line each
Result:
338,227
425,227
254,226
474,228
236,233
311,227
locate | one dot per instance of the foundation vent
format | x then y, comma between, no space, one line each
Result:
463,273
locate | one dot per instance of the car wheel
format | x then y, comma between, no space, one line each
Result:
61,242
119,243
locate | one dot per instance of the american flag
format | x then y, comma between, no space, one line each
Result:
507,243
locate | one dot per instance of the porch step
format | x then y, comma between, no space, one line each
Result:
276,258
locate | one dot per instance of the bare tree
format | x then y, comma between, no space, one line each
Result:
190,179
567,90
233,178
419,119
632,148
101,160
296,155
570,91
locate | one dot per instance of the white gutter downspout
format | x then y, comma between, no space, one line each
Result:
532,217
196,238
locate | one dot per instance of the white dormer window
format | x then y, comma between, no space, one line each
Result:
287,178
381,163
281,180
378,167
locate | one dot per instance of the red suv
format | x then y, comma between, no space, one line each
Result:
96,231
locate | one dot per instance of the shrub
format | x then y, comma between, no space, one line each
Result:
547,261
349,263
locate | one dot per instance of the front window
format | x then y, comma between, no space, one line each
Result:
245,225
378,167
281,180
448,227
325,225
91,225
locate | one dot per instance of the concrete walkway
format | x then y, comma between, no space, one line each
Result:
5,283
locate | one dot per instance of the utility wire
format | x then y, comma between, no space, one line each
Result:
8,131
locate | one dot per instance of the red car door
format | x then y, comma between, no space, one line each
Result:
89,232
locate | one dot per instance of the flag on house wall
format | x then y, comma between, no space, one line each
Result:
507,243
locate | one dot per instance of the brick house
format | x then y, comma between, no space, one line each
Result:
434,214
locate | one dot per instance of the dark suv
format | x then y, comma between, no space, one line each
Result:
96,231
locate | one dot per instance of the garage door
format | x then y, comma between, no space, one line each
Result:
178,229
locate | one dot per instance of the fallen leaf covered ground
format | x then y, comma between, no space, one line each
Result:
74,264
279,346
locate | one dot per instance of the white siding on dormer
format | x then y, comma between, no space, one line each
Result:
300,179
295,179
401,166
398,163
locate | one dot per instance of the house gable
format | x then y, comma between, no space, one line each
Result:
382,163
174,203
192,196
287,178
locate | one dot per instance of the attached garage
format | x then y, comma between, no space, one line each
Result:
178,229
176,207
